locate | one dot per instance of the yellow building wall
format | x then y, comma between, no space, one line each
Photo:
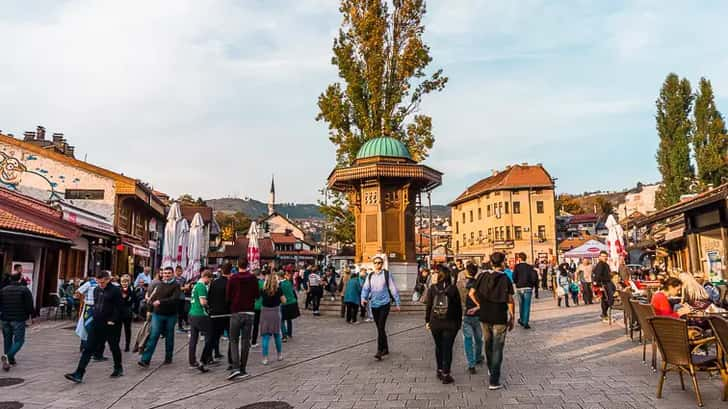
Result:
475,222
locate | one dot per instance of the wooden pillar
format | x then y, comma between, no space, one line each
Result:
693,253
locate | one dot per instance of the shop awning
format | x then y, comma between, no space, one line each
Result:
136,249
86,220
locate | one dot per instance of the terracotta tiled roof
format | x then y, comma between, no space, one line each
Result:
281,238
10,221
240,249
514,177
188,212
584,218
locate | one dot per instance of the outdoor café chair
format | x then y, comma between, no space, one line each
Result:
630,320
643,312
720,331
672,339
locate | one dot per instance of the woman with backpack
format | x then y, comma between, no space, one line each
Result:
562,285
443,317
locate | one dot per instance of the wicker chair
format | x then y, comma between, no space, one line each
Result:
644,312
720,331
630,320
671,336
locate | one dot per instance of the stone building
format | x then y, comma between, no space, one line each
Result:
510,211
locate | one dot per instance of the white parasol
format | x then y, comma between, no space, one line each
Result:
194,246
615,243
253,249
183,235
169,250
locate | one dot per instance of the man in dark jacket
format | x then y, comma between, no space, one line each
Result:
219,309
16,306
164,300
105,327
601,275
242,290
525,279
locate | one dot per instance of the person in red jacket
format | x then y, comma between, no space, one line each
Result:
661,299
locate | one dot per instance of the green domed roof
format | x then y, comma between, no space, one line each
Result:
383,146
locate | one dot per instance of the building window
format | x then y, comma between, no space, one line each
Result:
539,206
490,233
517,233
497,234
516,207
508,232
465,239
471,216
472,235
506,207
503,233
480,234
480,213
463,217
125,219
457,246
542,232
497,193
84,194
457,228
487,211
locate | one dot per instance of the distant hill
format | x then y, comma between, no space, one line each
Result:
255,209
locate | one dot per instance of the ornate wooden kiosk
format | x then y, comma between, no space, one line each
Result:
382,186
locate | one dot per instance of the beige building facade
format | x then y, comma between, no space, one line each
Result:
511,211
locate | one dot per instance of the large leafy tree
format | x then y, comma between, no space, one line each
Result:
674,127
710,139
381,58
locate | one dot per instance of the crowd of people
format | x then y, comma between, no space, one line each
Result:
243,306
233,302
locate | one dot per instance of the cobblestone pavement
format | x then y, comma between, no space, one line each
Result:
568,360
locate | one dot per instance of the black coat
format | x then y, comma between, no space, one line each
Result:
216,297
127,304
16,302
108,305
454,318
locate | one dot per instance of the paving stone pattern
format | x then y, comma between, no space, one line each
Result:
568,360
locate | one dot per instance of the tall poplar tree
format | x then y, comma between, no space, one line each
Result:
710,139
673,127
381,58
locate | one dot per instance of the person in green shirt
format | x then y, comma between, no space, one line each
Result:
289,310
200,322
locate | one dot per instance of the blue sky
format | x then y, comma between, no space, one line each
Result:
211,98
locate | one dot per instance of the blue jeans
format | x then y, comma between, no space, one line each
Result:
266,343
14,337
495,339
524,304
161,324
472,340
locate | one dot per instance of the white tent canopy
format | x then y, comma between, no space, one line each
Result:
590,249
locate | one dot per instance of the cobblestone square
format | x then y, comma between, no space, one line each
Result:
568,360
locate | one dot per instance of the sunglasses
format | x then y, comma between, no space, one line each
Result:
378,262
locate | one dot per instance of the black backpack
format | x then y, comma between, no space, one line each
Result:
386,284
440,303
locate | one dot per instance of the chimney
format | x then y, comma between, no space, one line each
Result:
29,135
70,150
57,137
40,133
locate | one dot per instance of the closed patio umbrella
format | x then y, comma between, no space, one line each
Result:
194,246
169,249
615,243
253,249
183,234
